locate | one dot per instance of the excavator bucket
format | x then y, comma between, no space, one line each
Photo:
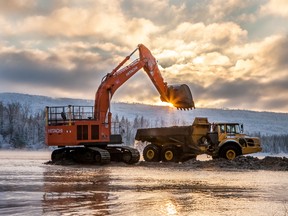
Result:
180,96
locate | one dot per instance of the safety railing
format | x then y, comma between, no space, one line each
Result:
62,115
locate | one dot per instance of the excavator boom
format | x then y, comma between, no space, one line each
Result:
178,95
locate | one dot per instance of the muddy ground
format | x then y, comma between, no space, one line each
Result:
239,163
242,162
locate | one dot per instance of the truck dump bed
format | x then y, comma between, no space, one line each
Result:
186,137
166,135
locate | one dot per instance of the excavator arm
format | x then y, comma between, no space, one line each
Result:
179,96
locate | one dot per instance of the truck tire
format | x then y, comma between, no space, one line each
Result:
169,154
151,153
229,152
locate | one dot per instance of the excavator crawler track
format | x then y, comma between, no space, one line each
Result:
83,155
101,155
124,154
95,155
134,153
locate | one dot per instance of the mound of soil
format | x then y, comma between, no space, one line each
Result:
242,162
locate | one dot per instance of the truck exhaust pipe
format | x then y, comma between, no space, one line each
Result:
180,96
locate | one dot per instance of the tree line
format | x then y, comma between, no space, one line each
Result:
273,143
20,128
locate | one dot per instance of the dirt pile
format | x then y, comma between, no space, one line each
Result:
242,162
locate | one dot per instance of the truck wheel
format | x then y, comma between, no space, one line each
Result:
151,153
170,154
229,152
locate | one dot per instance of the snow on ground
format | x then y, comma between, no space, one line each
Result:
25,154
266,123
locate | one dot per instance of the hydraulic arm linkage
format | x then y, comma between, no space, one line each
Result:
178,95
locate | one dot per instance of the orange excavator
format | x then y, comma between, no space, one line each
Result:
84,133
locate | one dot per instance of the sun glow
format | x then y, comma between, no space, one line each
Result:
171,208
161,103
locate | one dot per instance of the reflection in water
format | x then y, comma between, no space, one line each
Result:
72,190
126,190
29,187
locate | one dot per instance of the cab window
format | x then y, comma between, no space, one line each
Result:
222,128
232,129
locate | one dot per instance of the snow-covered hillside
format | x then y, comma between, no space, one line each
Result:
267,123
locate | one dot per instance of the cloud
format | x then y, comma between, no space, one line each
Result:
14,6
6,27
277,53
226,51
63,70
275,8
171,11
242,94
219,34
105,21
221,8
246,76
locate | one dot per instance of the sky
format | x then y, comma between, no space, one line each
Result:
231,53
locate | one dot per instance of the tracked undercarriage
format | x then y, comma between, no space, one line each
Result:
96,155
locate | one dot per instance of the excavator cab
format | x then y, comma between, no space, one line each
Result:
180,96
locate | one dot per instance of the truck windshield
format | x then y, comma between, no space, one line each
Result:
233,128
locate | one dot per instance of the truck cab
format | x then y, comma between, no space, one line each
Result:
227,140
225,130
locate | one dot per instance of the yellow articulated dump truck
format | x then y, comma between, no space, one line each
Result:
181,143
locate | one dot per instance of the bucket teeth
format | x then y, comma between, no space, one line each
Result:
185,109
